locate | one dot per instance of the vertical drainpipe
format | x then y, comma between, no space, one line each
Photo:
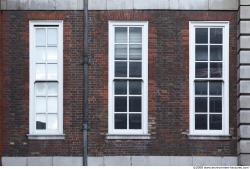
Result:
85,83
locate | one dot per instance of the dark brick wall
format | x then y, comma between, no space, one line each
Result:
168,85
168,91
1,86
16,60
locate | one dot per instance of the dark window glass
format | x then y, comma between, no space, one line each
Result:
216,53
216,35
120,69
215,122
200,121
215,88
200,88
135,87
201,70
201,35
120,121
120,35
121,87
135,121
120,104
135,104
200,104
135,69
135,52
40,125
120,52
215,104
135,35
215,69
201,52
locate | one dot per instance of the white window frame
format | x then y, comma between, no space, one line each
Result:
225,78
32,120
111,129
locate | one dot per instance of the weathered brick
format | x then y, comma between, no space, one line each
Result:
168,88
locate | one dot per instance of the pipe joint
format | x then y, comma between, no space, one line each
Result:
85,126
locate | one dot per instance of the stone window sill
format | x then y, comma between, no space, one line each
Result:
46,137
209,137
128,136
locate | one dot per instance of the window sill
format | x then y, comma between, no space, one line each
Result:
46,136
128,136
209,137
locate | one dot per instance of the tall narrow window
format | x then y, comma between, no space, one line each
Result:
209,88
46,77
128,76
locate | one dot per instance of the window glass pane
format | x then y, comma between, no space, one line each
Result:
121,52
215,104
135,35
215,69
135,52
40,71
40,54
201,52
135,104
216,53
120,104
40,104
121,87
120,35
215,121
52,105
52,71
52,36
200,88
215,88
120,69
120,121
200,104
52,89
201,35
40,89
40,37
52,122
201,70
135,87
40,121
200,121
135,69
216,35
52,54
135,121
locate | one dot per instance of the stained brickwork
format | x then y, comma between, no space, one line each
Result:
168,85
16,78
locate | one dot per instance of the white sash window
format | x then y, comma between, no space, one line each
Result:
46,77
209,78
128,77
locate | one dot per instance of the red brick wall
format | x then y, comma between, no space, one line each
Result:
168,85
168,61
16,59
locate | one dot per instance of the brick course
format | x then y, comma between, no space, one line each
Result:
168,85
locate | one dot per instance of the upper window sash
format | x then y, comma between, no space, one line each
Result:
224,78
